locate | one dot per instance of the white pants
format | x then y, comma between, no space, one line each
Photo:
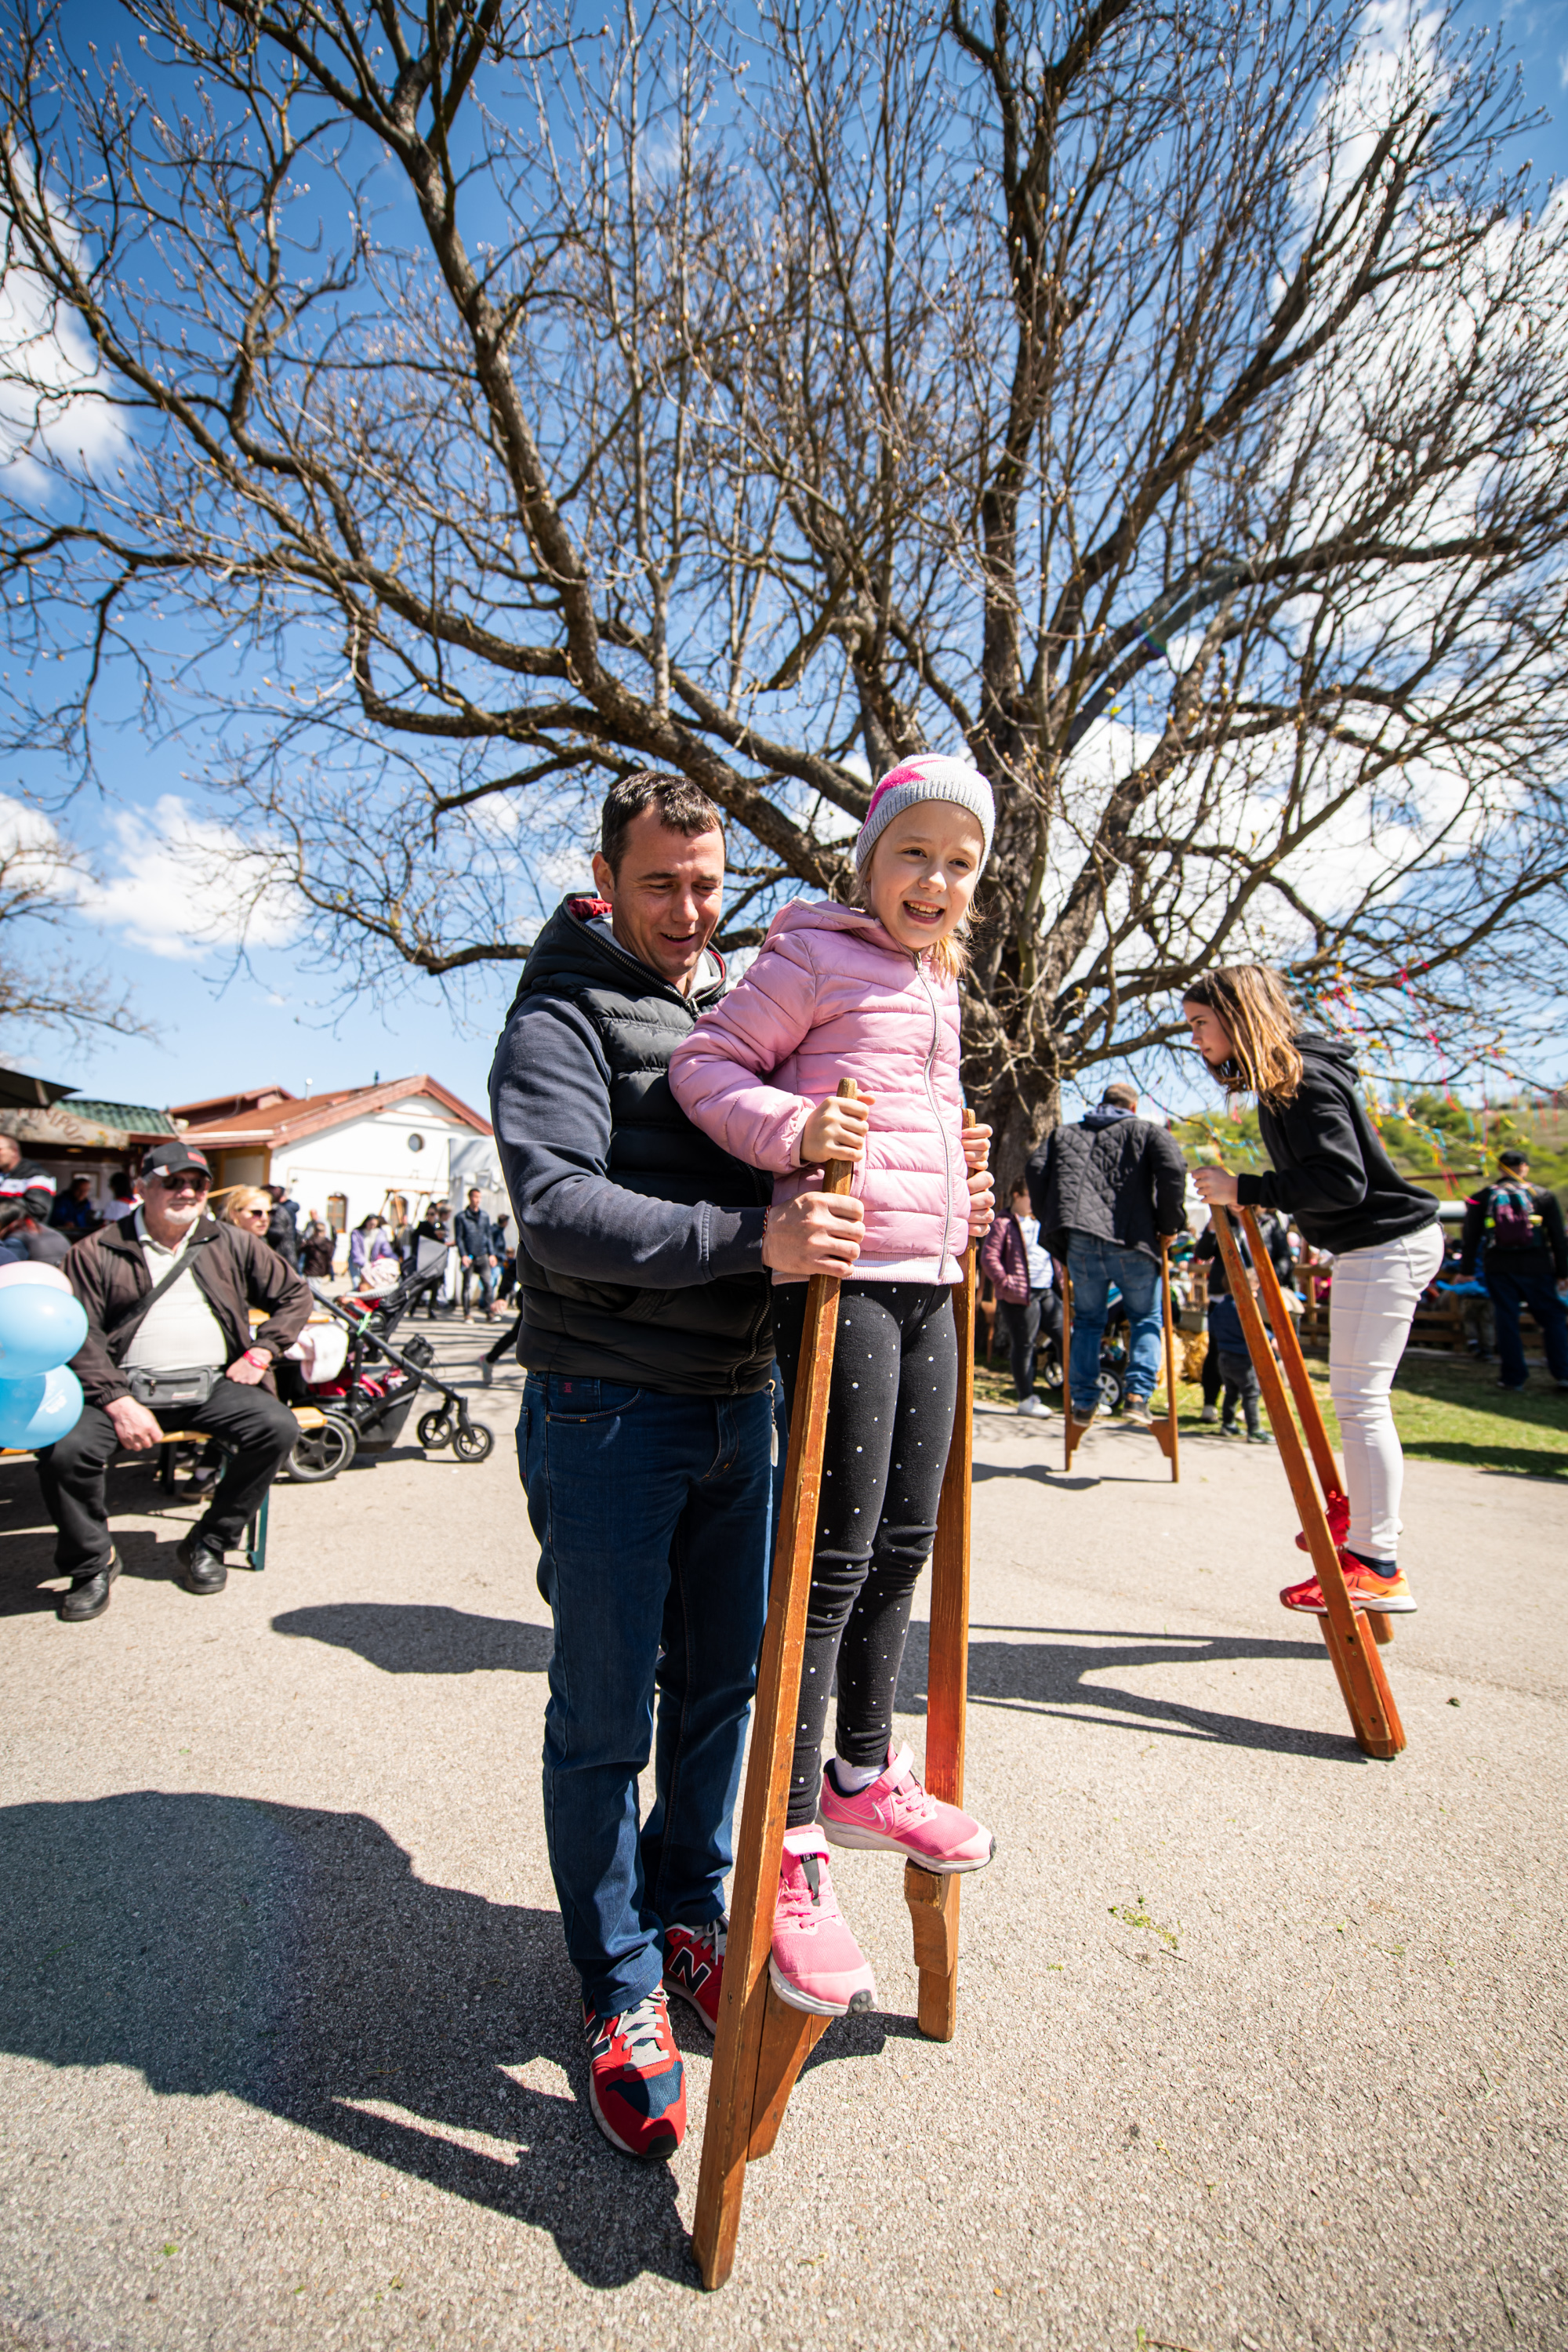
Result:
1373,1297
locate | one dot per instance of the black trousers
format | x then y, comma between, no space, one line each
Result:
889,1424
1240,1386
72,1473
1023,1321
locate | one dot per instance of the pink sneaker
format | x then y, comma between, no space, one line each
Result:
816,1963
895,1815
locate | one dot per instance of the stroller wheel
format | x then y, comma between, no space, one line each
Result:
436,1428
471,1441
321,1453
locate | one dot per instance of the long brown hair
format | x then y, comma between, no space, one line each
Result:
1260,1022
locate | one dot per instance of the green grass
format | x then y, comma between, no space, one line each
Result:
1446,1410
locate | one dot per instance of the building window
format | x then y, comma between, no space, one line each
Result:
416,1143
338,1211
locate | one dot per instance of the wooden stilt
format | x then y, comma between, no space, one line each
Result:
1329,1478
1375,1719
1073,1431
761,2044
1166,1430
789,2037
933,1898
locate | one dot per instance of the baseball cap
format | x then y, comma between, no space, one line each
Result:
172,1158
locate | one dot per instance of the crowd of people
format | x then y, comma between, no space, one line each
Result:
665,1138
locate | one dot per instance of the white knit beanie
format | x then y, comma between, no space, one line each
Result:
931,777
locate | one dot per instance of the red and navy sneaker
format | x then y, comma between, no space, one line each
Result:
637,2084
694,1968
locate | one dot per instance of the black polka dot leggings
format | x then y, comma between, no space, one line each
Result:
889,1421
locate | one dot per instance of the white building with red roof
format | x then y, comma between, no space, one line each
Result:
385,1150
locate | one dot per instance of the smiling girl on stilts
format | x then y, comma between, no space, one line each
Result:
869,992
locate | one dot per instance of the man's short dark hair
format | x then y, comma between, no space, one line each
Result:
1514,1159
683,807
1121,1095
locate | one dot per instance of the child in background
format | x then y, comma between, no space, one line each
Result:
1227,1367
869,992
1238,1382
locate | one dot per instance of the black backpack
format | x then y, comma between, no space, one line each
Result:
1510,1212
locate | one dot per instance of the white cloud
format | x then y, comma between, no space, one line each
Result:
52,414
181,885
37,864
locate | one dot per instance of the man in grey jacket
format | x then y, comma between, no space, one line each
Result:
1106,1193
647,1436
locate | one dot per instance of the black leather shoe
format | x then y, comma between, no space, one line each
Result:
89,1595
201,1564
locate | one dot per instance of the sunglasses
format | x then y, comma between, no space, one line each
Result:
188,1180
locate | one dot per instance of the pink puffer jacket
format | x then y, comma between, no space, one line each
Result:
832,996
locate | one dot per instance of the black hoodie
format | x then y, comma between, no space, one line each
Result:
1331,1172
639,1241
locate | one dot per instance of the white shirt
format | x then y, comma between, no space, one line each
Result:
181,1332
1040,1270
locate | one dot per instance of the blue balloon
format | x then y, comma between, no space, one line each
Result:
19,1400
40,1327
41,1409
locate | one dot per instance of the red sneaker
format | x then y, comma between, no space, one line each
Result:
1337,1509
637,2084
1389,1595
694,1968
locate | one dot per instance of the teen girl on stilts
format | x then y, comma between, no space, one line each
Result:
869,992
1331,1174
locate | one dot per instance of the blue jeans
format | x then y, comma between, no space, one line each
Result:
1510,1295
1094,1266
481,1271
653,1515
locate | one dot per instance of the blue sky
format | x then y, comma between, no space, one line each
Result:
221,1024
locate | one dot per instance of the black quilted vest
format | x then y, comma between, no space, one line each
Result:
709,1339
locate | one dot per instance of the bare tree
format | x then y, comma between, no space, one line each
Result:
42,984
1164,403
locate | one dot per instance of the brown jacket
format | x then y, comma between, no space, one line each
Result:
234,1271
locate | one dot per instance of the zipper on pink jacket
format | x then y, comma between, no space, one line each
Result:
936,1110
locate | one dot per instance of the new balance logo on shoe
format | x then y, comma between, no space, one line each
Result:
694,1968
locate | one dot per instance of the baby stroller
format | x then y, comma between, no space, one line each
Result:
365,1402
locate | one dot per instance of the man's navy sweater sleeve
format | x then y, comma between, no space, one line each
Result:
550,1100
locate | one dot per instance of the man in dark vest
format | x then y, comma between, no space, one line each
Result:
647,1436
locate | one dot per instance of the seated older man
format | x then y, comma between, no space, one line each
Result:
167,1291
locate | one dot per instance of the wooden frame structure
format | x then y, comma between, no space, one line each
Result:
761,2044
1162,1431
1351,1634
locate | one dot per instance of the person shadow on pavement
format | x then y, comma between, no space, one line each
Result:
1049,1671
291,1957
403,1638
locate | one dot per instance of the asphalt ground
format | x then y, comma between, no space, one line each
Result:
1260,2042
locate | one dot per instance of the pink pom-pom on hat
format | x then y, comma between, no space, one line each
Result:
931,777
